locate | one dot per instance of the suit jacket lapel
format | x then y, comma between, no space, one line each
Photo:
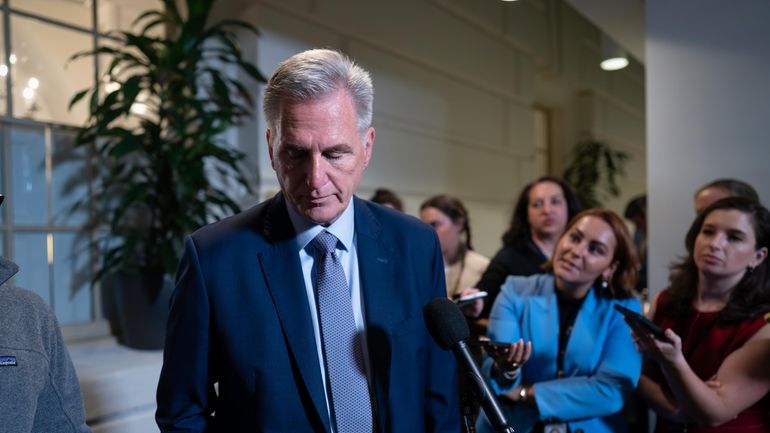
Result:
376,267
286,285
544,327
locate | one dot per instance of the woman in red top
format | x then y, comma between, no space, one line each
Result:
713,372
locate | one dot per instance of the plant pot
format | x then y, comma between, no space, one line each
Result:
141,306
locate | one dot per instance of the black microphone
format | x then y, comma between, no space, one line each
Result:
446,324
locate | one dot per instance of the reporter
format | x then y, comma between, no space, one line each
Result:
712,374
540,216
462,265
39,386
582,364
722,188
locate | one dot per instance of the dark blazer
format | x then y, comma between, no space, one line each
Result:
239,319
522,258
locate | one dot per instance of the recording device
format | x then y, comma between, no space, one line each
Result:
647,324
2,197
462,301
447,325
489,343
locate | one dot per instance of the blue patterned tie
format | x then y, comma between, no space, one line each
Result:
351,406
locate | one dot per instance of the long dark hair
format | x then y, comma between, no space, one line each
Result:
751,296
455,210
519,229
627,270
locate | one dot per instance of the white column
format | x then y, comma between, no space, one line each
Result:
708,110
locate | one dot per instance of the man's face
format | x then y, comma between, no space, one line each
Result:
319,155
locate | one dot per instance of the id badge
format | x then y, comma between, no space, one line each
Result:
560,427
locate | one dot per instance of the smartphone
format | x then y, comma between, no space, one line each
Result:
488,343
462,301
2,197
647,324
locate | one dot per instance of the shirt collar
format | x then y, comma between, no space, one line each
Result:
342,228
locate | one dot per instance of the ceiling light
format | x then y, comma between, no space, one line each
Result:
614,63
613,57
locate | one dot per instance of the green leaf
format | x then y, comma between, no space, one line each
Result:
237,24
93,104
125,147
252,71
78,96
131,89
151,185
148,14
594,167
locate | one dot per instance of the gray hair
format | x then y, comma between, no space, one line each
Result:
314,74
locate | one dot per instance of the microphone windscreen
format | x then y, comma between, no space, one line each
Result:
445,322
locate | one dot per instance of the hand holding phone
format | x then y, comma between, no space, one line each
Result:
509,357
468,299
634,318
489,343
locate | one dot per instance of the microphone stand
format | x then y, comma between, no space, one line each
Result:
469,403
475,385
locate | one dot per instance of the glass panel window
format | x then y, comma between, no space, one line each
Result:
3,157
71,278
3,71
44,78
69,180
29,193
77,12
31,255
118,15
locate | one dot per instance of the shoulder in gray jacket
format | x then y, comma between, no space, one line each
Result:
39,390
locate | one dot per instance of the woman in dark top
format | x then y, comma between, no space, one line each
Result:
542,211
711,374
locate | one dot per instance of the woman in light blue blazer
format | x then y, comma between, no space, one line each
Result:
582,363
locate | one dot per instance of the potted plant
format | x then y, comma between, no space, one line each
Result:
593,169
154,134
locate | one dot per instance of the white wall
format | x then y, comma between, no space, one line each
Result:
708,64
456,82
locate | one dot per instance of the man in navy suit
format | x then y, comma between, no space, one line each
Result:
244,350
